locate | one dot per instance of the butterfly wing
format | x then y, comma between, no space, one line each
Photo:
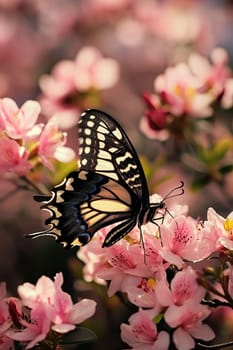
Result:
114,157
105,149
110,186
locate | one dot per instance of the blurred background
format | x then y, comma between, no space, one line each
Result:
143,37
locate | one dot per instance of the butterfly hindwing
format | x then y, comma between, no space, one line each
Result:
82,204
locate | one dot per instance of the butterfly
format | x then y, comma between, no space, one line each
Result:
109,187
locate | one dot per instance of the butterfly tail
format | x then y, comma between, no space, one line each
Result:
40,234
41,198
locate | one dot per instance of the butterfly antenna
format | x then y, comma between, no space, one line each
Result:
171,193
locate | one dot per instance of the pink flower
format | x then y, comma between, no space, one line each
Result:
6,343
183,288
154,121
227,98
214,77
43,292
34,331
160,17
59,94
188,318
179,89
51,145
5,321
16,311
100,10
226,238
2,123
219,228
61,81
142,334
118,263
190,89
67,314
65,111
48,300
187,89
124,260
108,263
182,239
19,122
184,310
153,248
94,257
92,70
13,158
70,82
107,8
142,292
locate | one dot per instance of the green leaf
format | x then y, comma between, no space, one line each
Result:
226,169
199,182
158,318
80,335
222,147
214,154
62,169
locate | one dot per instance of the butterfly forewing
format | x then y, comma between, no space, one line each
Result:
105,149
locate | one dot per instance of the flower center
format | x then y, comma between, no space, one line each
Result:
228,226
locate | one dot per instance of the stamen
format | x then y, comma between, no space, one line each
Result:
228,225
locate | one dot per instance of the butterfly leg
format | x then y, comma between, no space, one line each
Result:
143,243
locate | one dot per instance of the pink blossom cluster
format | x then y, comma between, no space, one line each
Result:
56,28
26,144
75,84
183,17
187,91
161,279
40,309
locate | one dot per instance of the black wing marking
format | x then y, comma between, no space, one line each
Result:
105,149
109,188
120,231
82,204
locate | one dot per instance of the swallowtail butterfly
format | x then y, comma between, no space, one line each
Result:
109,187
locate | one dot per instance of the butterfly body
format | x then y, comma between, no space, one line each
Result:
109,188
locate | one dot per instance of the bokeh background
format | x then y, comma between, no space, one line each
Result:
144,37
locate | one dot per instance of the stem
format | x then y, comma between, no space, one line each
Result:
217,346
35,187
215,303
